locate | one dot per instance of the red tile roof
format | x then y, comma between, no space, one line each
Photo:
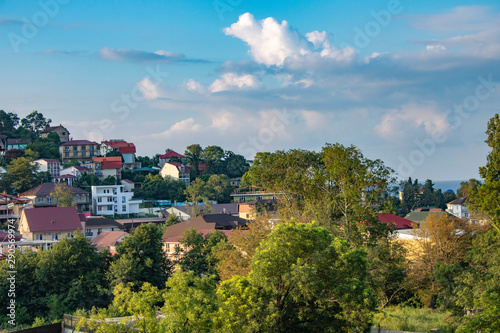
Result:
171,154
107,159
112,162
4,237
123,146
52,219
396,222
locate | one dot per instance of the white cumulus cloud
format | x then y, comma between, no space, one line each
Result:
229,81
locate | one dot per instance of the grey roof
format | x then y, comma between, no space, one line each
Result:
45,189
102,221
459,201
209,221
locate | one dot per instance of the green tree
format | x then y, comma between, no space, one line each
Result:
35,122
199,252
234,165
8,122
302,280
190,303
45,148
486,199
140,258
62,192
467,188
213,156
219,188
21,175
155,187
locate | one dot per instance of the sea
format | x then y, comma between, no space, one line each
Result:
445,185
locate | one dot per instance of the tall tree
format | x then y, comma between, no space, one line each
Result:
302,279
213,155
140,258
467,188
62,192
21,175
234,165
194,154
487,199
8,122
35,122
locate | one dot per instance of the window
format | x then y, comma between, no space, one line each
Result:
110,199
75,148
84,148
75,154
66,155
69,235
124,199
124,208
63,133
55,237
99,231
38,237
84,154
91,147
49,200
111,229
66,148
99,199
89,232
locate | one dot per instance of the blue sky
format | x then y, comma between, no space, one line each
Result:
413,83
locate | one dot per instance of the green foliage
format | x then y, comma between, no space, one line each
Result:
155,187
140,258
110,180
217,187
193,154
50,283
304,280
46,148
21,175
190,303
8,122
200,256
62,192
86,181
467,188
35,122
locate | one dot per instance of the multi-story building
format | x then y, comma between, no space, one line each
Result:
107,166
17,144
458,208
49,165
80,150
113,199
168,157
60,130
126,149
12,206
176,171
251,193
43,196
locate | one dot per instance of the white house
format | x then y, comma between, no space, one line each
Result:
176,171
113,199
76,171
458,208
50,165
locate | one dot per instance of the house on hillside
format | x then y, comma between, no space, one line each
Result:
49,165
60,130
177,171
42,196
104,167
109,240
52,223
251,193
251,209
12,206
458,208
126,149
76,171
20,144
204,224
167,157
404,228
80,150
420,215
113,199
186,212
